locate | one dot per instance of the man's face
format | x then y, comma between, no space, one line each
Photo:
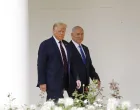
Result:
59,32
78,35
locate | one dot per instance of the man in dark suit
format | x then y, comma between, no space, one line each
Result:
80,61
53,64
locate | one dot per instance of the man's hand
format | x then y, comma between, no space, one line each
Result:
43,87
78,82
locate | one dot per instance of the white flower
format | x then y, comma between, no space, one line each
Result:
90,107
85,101
112,104
125,105
99,100
77,100
57,108
13,107
95,104
61,101
99,105
33,107
100,109
68,102
81,108
44,107
49,103
73,108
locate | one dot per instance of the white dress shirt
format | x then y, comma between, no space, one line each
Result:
58,44
77,46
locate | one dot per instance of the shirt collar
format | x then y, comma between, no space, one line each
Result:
56,39
76,44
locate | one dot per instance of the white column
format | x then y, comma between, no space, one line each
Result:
13,50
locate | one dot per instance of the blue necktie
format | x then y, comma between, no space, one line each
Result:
82,54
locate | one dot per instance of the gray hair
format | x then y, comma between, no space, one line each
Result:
76,27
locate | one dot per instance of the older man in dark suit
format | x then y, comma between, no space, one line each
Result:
80,61
54,64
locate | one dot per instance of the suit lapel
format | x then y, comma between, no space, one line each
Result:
67,50
77,52
57,49
68,56
75,49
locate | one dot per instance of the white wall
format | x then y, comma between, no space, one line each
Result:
13,51
112,33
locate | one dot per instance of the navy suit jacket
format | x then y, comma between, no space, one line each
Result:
78,68
50,67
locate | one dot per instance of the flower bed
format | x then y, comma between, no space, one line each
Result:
90,99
